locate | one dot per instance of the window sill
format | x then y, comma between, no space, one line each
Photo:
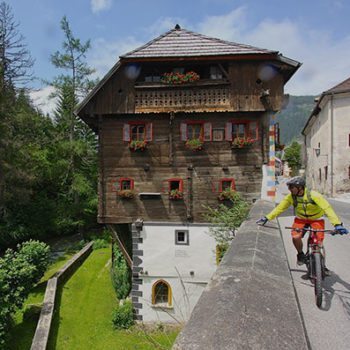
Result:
162,307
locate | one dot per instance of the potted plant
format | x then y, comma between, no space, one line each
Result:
179,78
175,194
228,194
126,194
137,145
242,142
194,144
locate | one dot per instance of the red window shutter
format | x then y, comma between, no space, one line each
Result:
228,132
183,131
126,133
207,132
149,132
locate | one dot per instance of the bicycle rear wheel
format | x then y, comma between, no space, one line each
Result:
318,279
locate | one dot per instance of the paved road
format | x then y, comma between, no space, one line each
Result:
327,327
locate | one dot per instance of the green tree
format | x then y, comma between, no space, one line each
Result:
226,219
76,144
292,155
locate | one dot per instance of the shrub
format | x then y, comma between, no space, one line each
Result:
121,274
19,272
99,243
123,317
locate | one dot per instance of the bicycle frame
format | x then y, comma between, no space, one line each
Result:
315,259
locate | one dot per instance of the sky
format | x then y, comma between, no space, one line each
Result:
313,32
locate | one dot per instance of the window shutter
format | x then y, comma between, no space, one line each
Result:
183,131
126,132
228,132
207,132
253,130
149,132
115,185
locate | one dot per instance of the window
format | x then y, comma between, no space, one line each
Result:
137,131
182,237
161,293
349,141
226,184
196,130
241,129
123,184
218,134
175,184
215,72
319,175
349,172
326,172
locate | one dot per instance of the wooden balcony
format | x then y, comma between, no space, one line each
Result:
196,97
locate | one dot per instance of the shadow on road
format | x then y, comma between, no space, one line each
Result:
330,291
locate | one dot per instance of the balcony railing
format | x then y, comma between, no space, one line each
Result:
183,97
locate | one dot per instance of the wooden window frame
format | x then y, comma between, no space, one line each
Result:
154,303
206,130
228,179
187,235
181,183
122,179
229,129
117,185
127,136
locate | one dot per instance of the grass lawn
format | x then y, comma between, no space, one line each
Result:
84,313
22,333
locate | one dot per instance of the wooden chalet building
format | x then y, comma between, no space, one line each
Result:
180,120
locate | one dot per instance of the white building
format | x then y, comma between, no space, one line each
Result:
176,263
327,142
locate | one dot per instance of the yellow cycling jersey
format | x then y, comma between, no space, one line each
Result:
312,206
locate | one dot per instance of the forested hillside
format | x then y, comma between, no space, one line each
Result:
292,119
48,166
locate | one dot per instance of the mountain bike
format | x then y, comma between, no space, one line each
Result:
315,259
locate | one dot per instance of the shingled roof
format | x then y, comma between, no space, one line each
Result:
179,42
341,87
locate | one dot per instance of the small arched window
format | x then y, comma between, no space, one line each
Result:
161,294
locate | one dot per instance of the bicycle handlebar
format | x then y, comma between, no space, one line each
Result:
310,229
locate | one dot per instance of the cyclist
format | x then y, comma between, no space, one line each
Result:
309,208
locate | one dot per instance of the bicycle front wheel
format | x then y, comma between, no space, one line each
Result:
318,279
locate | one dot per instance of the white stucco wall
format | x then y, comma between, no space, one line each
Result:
319,134
341,143
163,259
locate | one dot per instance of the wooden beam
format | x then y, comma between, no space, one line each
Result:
121,246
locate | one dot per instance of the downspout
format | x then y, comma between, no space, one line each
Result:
332,144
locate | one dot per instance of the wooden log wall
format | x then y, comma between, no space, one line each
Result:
161,161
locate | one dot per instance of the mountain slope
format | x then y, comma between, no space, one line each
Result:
292,119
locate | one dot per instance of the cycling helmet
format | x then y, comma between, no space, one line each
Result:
296,181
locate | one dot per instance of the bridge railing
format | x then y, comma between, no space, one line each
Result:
250,303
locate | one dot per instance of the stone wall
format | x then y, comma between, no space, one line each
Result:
42,332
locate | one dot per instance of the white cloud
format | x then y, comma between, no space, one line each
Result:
104,55
42,101
325,61
100,5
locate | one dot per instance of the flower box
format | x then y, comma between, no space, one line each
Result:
194,144
126,194
242,142
175,194
137,145
179,78
228,194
